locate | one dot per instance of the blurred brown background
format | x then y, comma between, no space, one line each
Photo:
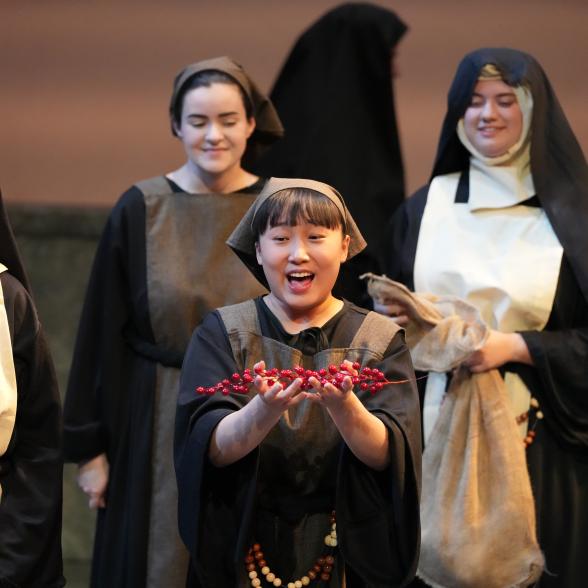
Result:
84,85
84,88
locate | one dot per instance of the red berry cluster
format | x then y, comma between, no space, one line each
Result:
370,379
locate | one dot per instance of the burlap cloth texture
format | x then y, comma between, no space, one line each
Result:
477,508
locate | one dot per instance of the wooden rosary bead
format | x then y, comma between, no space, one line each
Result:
321,570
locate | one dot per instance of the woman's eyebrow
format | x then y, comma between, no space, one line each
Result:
500,95
221,115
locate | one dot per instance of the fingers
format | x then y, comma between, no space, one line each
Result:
96,501
401,320
329,392
96,498
349,368
390,309
277,395
347,384
259,365
476,362
258,381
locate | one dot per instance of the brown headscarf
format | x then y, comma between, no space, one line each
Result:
242,240
268,127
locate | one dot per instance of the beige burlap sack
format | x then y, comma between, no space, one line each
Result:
477,509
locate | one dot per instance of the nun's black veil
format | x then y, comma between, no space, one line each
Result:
557,459
558,166
335,98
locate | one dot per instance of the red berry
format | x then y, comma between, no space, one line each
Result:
356,365
333,369
201,390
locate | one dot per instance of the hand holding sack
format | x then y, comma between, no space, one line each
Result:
477,508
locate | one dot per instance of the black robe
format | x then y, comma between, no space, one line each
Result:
114,385
31,468
335,98
558,458
227,497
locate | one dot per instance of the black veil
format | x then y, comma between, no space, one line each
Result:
335,98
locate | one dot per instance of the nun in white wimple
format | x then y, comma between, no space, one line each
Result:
502,224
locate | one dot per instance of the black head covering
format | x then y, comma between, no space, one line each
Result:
9,255
558,166
268,127
242,240
335,98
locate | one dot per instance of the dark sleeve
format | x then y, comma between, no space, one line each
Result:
559,376
378,512
401,239
210,500
31,469
100,365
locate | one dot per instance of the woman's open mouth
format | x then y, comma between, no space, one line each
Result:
300,281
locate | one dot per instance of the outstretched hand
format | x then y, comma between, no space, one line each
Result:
273,393
331,396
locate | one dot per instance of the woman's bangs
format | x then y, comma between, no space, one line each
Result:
297,205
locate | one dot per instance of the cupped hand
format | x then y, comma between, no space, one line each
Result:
273,393
93,480
329,395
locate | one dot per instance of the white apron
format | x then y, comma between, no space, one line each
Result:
7,379
505,260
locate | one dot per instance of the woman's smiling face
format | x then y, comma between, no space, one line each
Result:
301,264
214,128
493,122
